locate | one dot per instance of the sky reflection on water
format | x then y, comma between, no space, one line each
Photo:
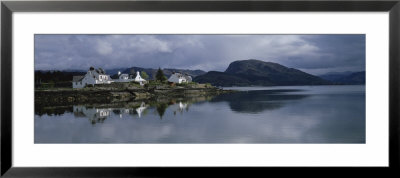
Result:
319,114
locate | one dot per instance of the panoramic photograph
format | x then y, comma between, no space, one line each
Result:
199,88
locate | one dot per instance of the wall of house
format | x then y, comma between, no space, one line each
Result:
138,78
79,84
123,77
174,79
190,79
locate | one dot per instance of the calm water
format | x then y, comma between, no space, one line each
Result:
305,114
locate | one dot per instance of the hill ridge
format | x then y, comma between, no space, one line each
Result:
257,72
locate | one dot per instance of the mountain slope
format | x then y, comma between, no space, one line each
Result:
349,78
256,72
221,79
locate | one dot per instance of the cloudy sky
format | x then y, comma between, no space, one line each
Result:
316,54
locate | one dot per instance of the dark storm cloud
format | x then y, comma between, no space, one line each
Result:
311,53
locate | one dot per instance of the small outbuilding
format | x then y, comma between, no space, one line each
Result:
123,78
180,78
139,79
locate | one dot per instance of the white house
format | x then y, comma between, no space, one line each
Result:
92,77
139,79
180,78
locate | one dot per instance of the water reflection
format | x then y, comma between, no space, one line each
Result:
181,107
245,102
98,115
50,110
140,109
95,115
259,116
259,100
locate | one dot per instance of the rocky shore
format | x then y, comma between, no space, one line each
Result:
121,93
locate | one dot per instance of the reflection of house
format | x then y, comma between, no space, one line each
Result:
131,111
140,109
92,77
180,107
100,114
94,114
122,111
180,78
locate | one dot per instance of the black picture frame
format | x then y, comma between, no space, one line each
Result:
8,7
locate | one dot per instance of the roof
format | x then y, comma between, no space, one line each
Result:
77,78
187,77
100,71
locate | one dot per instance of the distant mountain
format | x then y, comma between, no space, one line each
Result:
348,78
333,76
256,72
222,79
167,72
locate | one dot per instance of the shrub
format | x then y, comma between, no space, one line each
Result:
135,84
160,75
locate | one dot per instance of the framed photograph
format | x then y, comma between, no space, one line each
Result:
142,88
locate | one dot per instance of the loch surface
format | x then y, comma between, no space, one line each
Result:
289,114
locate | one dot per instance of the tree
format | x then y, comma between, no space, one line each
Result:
144,75
132,71
160,75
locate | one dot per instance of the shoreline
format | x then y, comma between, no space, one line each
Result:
127,93
66,96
